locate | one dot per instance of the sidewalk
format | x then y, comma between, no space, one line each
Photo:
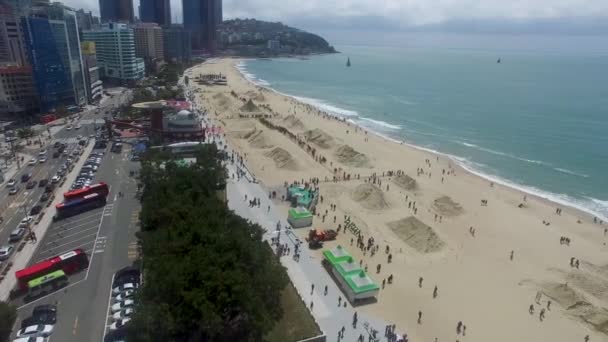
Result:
22,258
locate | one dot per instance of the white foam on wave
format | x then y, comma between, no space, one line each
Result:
382,124
241,66
570,172
592,206
503,154
326,107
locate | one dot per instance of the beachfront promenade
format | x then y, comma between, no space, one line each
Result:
305,272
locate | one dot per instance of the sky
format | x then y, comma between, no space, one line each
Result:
562,16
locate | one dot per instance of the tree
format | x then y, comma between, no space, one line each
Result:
25,133
8,315
209,276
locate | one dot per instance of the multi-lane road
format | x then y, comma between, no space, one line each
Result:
106,234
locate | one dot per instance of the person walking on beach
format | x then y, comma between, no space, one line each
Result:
420,282
531,309
511,257
548,305
355,320
587,338
325,291
311,305
542,315
458,327
339,300
312,288
435,292
572,262
419,317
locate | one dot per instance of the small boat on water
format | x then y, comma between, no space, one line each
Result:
348,62
498,61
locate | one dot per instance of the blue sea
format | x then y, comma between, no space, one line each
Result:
537,121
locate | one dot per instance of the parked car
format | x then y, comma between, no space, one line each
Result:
43,182
123,314
16,235
35,210
122,305
45,197
42,314
30,339
30,185
42,152
14,190
56,154
32,161
120,323
42,330
11,182
42,160
26,177
121,288
5,252
124,295
55,179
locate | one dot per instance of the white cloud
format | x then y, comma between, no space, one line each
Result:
399,12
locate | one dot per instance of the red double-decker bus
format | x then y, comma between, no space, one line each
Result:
70,263
79,205
99,188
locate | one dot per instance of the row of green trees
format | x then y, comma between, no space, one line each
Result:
208,276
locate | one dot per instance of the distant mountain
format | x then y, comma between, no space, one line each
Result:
253,37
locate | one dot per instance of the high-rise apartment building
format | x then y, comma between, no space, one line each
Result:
177,43
115,46
155,11
11,37
91,76
17,93
201,18
149,44
51,73
116,11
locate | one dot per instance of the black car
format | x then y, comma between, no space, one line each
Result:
43,182
45,197
35,210
30,184
42,314
126,275
116,335
56,154
56,144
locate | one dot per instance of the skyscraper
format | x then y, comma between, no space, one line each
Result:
51,75
116,10
65,25
11,37
149,44
201,18
177,43
115,46
155,11
219,15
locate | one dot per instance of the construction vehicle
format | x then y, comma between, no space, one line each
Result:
322,235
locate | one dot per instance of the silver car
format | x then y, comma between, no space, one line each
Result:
5,252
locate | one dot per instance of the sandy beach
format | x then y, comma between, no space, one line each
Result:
491,251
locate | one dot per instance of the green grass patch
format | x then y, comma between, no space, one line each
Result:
297,323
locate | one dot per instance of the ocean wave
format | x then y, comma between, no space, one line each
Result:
326,107
589,205
570,172
380,123
241,66
503,154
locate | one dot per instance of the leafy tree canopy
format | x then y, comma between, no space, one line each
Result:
208,276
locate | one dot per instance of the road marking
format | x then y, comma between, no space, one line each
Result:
75,326
93,255
99,251
105,330
63,244
69,235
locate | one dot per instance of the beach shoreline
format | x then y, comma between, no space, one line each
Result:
486,248
548,197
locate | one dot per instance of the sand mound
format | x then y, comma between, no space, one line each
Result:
292,121
405,181
250,107
257,139
348,156
319,138
369,196
254,95
417,234
447,207
575,305
593,285
282,158
222,100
